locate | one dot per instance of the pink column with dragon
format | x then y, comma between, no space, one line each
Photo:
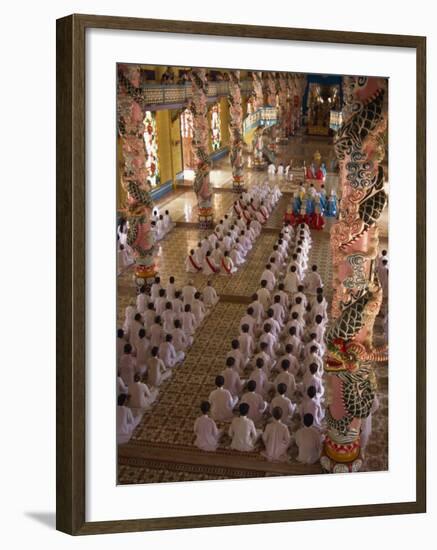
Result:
139,204
235,130
351,357
283,105
202,184
258,102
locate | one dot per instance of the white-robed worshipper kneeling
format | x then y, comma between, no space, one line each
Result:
140,396
206,431
257,405
233,382
222,402
287,378
156,371
227,266
283,402
312,281
311,404
210,267
269,276
210,297
243,432
168,353
309,441
240,360
180,340
188,292
126,422
276,438
127,365
191,265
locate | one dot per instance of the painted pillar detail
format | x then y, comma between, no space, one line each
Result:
139,204
202,184
235,130
351,357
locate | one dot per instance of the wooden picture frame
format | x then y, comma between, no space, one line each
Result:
70,151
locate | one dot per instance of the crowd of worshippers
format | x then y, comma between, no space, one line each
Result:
225,249
272,376
158,330
161,225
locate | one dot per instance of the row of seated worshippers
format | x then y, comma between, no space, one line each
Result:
158,330
280,347
162,224
225,249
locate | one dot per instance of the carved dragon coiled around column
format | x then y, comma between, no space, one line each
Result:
351,356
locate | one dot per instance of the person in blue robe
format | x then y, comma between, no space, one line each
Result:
323,200
310,206
297,204
332,205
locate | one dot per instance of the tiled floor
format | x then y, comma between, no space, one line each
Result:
161,449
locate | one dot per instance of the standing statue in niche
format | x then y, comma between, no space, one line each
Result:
202,184
139,204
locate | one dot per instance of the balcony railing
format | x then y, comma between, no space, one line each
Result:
173,94
264,117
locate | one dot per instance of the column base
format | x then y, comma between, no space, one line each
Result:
332,467
206,220
238,187
144,275
341,457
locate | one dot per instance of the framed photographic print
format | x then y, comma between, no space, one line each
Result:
240,274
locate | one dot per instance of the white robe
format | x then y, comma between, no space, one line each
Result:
264,297
276,438
207,433
180,340
312,282
309,442
233,383
210,297
126,423
222,404
269,276
156,372
169,355
127,368
314,407
209,266
286,378
188,293
191,265
243,433
246,345
141,397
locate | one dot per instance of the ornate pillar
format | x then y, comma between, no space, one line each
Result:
351,357
283,106
270,99
202,185
258,102
235,130
139,204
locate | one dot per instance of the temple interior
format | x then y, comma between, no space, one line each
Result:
199,149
